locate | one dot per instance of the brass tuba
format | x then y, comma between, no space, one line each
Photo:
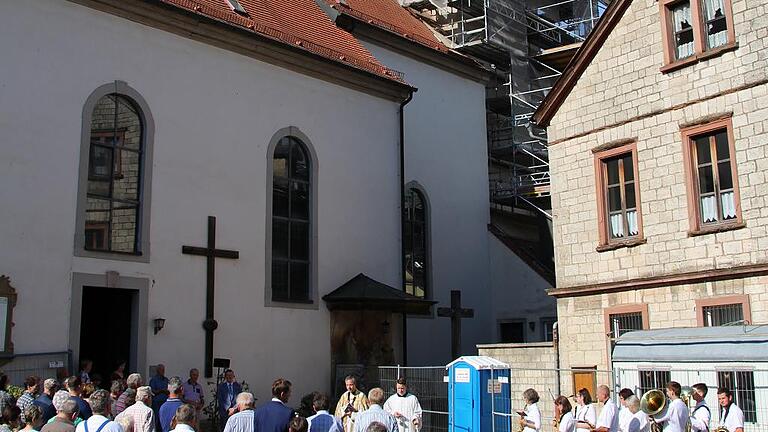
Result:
652,403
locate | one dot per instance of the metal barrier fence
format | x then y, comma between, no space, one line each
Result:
44,365
749,386
428,385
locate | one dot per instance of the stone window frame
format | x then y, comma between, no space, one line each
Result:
700,51
313,303
696,227
600,155
641,308
419,189
143,254
742,299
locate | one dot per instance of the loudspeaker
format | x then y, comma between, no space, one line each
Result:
221,363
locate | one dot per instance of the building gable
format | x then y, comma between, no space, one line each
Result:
627,78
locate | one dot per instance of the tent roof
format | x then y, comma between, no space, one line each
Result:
364,293
736,343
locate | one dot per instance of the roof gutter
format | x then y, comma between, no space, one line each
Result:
401,179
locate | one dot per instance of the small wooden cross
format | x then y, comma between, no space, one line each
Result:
455,313
210,253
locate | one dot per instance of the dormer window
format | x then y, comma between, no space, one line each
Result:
237,7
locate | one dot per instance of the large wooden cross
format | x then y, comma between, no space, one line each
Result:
455,313
210,253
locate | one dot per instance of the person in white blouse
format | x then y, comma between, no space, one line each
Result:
625,416
701,414
530,419
563,415
731,416
585,411
676,417
608,420
639,421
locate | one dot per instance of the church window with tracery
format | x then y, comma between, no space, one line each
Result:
415,243
291,221
115,157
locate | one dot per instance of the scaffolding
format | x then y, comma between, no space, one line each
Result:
527,43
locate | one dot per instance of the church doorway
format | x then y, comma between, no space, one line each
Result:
107,329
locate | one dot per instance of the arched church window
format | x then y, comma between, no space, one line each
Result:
415,243
114,184
291,221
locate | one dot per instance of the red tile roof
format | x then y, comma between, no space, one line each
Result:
390,16
300,23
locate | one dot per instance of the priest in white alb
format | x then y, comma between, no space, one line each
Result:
405,408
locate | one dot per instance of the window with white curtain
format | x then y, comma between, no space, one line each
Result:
694,27
620,195
716,25
681,22
714,185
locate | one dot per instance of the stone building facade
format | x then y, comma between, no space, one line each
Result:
665,240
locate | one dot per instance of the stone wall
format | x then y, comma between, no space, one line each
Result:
581,321
533,366
669,249
624,96
624,80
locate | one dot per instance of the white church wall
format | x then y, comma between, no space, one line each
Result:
215,112
519,292
446,153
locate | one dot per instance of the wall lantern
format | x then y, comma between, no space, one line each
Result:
159,323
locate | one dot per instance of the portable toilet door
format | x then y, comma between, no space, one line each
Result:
475,385
462,391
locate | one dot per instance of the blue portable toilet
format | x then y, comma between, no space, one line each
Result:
477,387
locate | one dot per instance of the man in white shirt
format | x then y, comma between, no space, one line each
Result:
608,420
99,421
404,407
731,415
701,415
242,419
186,419
676,417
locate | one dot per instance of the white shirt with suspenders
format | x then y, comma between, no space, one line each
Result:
700,417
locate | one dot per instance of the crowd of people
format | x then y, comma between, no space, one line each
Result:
355,411
629,417
78,404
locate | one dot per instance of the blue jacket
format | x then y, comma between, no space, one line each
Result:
167,411
272,417
82,407
223,396
46,406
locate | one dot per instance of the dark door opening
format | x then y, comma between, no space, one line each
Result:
107,329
